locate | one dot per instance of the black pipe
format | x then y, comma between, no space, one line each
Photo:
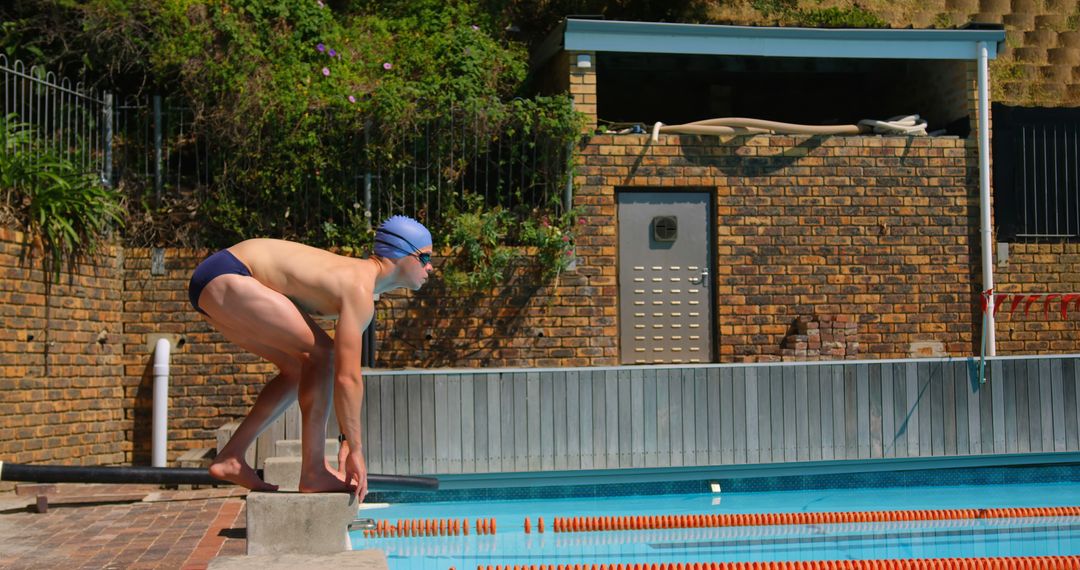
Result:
173,476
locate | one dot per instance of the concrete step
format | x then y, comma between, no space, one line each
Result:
1030,54
1022,6
1070,39
1042,37
198,457
1059,6
987,18
354,560
995,7
1055,22
1072,95
292,447
1063,56
1015,25
1049,93
285,471
1015,90
1056,73
962,6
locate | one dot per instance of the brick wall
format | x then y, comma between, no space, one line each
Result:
61,399
521,324
1038,268
879,229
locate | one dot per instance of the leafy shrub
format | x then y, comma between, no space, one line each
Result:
63,210
481,257
835,17
298,99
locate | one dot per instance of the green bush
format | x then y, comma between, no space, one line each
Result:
62,209
852,17
298,99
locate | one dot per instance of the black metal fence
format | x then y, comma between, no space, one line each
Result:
159,145
1036,153
67,118
155,146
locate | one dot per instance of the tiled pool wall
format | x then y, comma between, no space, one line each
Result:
908,478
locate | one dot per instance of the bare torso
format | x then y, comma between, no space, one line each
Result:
315,279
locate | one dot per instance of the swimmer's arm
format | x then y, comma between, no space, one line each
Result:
348,379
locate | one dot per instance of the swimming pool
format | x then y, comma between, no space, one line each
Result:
958,537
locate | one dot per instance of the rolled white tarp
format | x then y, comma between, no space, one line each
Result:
900,125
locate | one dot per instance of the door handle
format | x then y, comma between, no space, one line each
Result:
703,280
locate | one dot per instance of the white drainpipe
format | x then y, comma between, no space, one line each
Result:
161,402
986,228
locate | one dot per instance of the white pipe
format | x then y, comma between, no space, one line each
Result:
161,402
985,226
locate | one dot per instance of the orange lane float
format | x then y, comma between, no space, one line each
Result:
454,527
577,524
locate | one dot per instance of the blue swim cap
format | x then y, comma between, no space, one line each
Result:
399,236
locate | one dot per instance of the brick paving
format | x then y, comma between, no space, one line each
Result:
122,527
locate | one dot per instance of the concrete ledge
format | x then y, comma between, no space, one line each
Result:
356,560
292,448
285,471
299,523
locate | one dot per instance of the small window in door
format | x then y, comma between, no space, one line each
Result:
665,228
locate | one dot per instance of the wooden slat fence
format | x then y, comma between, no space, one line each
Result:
477,421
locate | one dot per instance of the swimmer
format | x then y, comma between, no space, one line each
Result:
261,295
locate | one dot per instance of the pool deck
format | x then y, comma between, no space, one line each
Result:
122,526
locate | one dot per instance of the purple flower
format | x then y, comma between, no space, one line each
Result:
332,53
320,3
326,71
352,99
387,66
321,48
475,28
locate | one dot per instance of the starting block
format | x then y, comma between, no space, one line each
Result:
299,523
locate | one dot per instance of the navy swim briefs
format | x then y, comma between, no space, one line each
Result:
220,263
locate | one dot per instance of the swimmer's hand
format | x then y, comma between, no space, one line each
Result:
356,473
342,454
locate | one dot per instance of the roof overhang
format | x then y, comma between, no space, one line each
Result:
702,39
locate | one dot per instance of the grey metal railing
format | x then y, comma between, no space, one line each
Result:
1050,172
67,118
1037,173
719,415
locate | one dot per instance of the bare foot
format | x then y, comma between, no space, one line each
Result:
323,481
236,471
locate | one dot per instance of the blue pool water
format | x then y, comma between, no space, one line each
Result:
931,539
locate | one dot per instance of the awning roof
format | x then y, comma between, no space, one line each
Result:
703,39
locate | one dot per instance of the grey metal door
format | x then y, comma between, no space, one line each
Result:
665,308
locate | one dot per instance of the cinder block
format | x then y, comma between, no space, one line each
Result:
299,523
292,448
355,560
285,471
